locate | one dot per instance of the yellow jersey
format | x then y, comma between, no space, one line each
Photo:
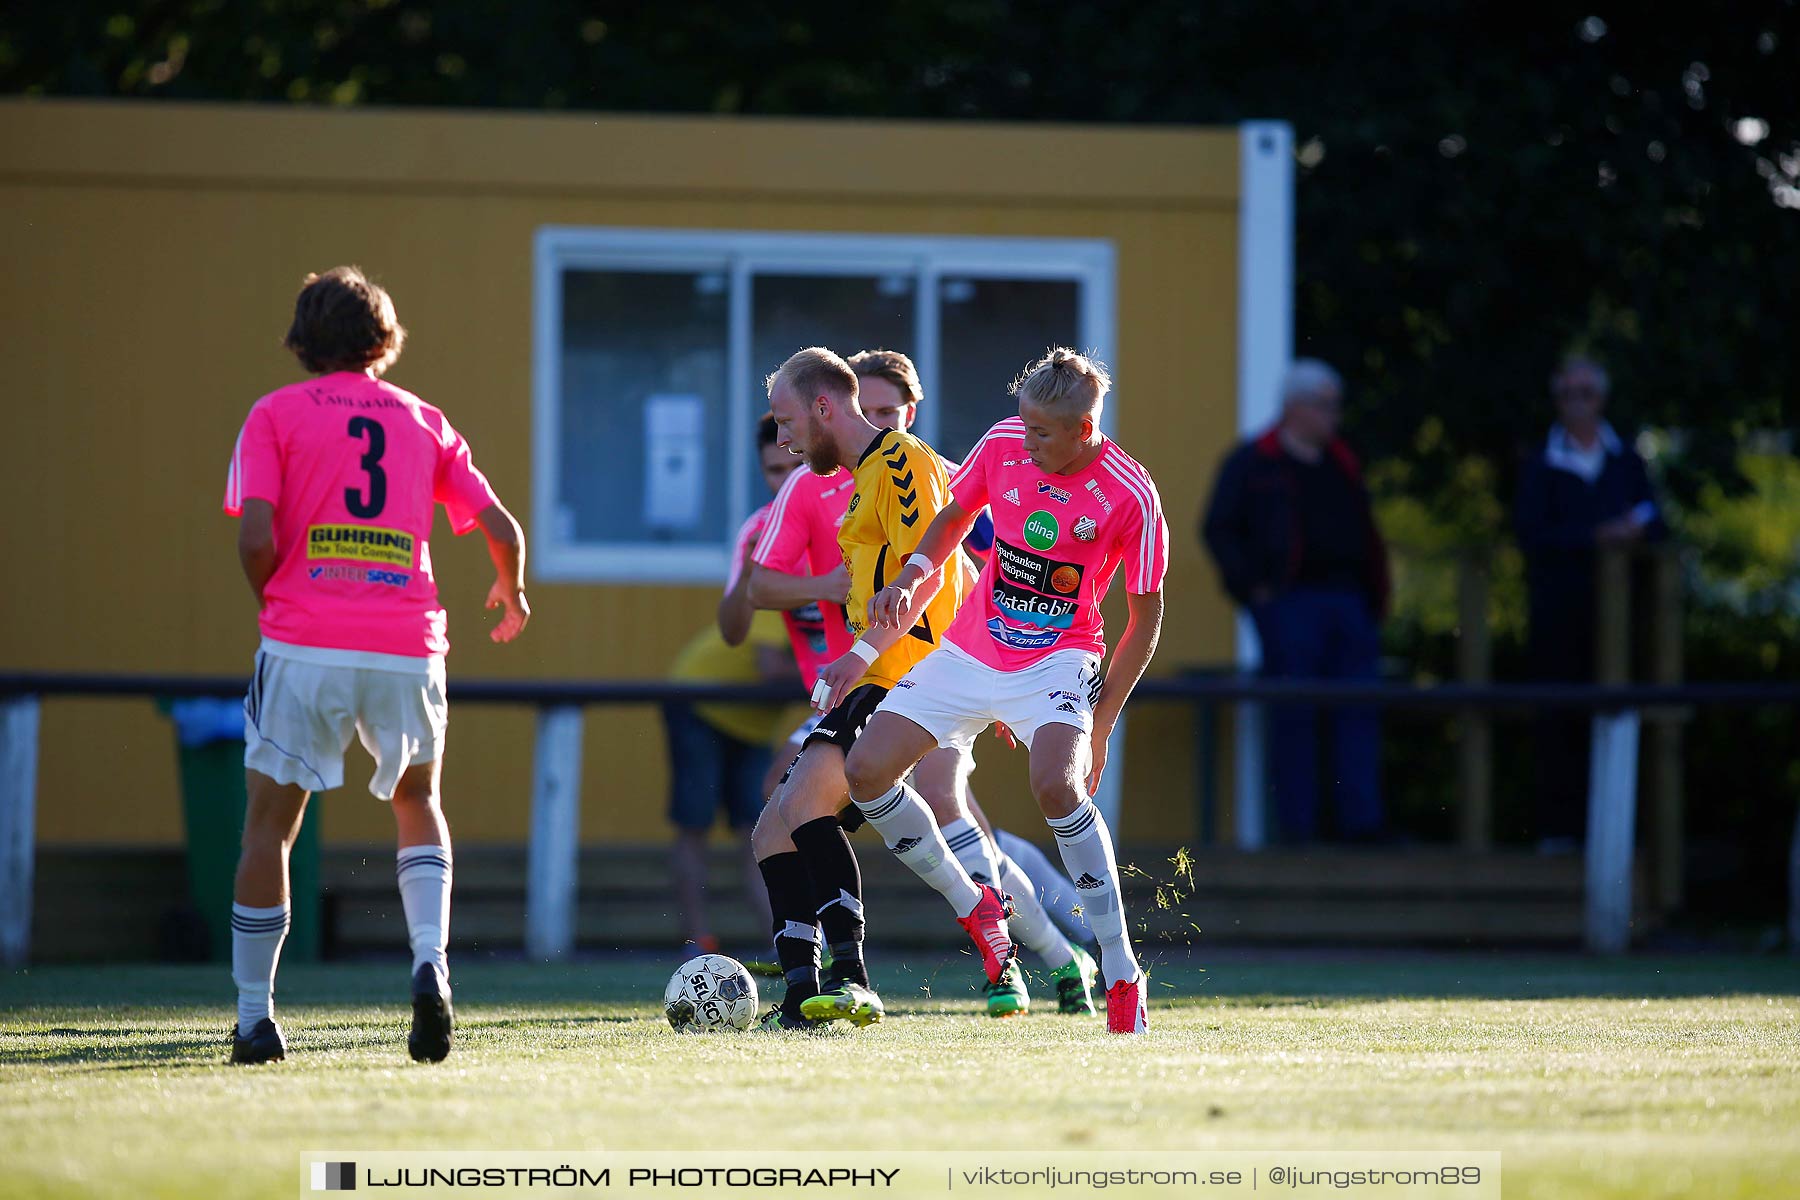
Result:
708,659
901,484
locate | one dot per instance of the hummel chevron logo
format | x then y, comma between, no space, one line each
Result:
902,482
910,498
908,519
1088,883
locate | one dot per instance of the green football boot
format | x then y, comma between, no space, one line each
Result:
1006,996
1074,991
776,1020
843,1001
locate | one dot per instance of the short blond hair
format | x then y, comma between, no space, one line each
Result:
1064,383
815,371
892,366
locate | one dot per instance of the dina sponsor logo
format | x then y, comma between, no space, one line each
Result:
1041,530
360,543
1093,488
1054,492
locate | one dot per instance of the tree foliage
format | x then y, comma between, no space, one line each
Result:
1481,189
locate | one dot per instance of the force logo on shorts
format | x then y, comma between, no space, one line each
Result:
362,543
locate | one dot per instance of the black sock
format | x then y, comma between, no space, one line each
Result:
837,891
796,934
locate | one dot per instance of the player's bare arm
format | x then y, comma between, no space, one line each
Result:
780,591
840,675
1143,626
735,609
256,545
888,607
506,546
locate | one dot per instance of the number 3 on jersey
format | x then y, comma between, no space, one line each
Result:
371,462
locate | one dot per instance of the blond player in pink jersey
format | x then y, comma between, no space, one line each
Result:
337,480
1070,508
799,542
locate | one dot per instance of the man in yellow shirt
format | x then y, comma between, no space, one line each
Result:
800,842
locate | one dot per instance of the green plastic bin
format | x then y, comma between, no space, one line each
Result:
211,760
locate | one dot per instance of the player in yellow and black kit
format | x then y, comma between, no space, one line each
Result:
815,886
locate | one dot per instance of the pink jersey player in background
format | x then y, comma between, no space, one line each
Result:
1070,508
337,480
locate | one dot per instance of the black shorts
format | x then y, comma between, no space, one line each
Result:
845,723
841,727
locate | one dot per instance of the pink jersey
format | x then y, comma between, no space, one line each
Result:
1058,540
805,625
354,467
800,538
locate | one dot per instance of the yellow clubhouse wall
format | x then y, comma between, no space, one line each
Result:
152,255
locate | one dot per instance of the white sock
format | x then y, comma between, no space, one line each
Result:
1030,924
1087,851
1054,891
973,851
906,825
424,875
256,937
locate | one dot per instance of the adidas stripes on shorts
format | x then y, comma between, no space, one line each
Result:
299,718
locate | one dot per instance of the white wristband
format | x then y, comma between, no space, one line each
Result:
922,562
865,652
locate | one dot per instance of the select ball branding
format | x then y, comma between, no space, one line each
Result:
710,992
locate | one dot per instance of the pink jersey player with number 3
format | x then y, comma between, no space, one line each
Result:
336,481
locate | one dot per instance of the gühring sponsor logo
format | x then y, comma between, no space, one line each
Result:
361,575
361,543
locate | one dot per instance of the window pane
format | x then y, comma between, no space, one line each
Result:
846,313
989,331
642,450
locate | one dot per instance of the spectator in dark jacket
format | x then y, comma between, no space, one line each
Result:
1585,489
1291,528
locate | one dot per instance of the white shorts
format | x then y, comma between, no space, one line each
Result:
953,695
299,715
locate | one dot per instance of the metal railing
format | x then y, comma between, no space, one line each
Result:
555,833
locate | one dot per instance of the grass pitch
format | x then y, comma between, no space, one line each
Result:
1640,1078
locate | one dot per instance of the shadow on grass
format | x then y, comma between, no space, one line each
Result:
65,994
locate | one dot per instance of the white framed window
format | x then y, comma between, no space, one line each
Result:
650,347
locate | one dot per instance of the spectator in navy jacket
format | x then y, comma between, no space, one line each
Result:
1291,528
1586,488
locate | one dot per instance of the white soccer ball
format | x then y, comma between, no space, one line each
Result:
708,993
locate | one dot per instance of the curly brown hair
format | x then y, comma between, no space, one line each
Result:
344,322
